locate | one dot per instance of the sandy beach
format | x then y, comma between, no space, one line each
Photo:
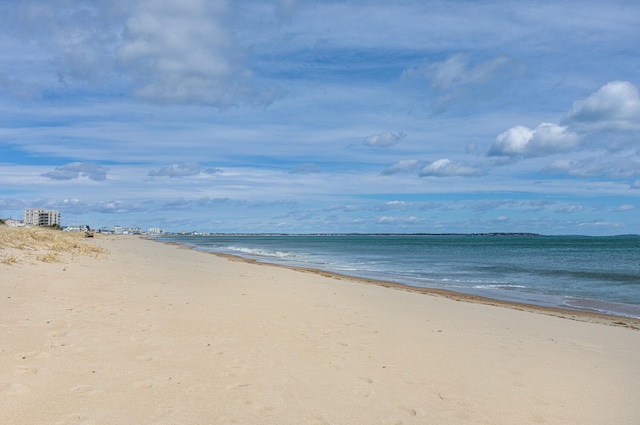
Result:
150,333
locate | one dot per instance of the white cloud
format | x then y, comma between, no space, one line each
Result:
617,168
183,170
162,51
405,165
394,205
457,71
460,77
545,139
445,167
615,101
398,220
569,209
118,207
383,140
75,170
185,52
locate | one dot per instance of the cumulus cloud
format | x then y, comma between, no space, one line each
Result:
445,168
163,51
183,170
615,101
545,139
185,52
383,140
76,170
406,165
602,120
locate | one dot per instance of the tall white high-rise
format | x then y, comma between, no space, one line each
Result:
38,217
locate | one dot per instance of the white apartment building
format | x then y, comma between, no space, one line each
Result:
38,217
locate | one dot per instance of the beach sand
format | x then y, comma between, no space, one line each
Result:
152,333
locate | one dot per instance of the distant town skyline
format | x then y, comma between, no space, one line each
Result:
294,116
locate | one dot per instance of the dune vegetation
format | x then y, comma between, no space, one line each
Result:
18,244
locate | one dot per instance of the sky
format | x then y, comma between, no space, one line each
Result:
297,116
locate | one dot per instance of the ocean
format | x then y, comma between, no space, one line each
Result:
597,274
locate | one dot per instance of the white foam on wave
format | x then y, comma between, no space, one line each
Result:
261,252
499,286
605,307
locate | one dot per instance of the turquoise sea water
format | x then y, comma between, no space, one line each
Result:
578,272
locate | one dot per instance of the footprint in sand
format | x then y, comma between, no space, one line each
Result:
32,355
85,389
56,344
408,411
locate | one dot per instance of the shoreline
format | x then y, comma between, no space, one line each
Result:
565,313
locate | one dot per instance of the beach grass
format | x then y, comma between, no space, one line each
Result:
47,245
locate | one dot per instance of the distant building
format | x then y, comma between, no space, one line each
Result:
12,222
107,229
156,231
119,230
38,217
77,228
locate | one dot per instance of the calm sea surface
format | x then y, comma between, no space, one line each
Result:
579,272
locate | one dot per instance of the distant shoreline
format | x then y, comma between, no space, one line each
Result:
355,234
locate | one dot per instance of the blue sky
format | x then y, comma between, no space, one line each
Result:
329,116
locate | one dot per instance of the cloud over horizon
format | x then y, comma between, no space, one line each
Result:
183,170
75,170
383,140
